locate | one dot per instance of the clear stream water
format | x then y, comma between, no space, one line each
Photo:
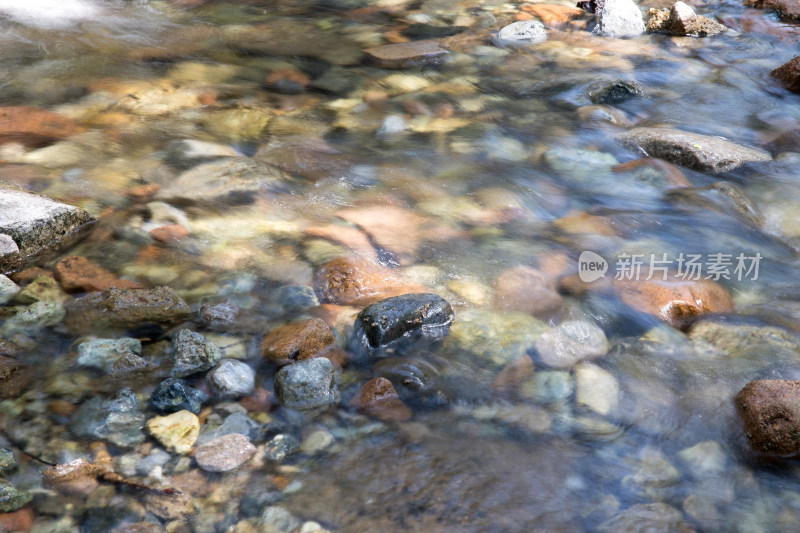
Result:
501,152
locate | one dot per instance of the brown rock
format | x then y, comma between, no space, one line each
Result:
14,377
289,80
770,409
33,126
170,506
513,374
24,277
259,400
350,281
78,274
126,308
332,353
406,54
675,301
787,9
20,520
552,15
311,158
527,290
169,233
789,74
580,222
379,399
298,340
225,453
143,193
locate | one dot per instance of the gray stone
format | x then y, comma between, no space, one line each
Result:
233,423
280,446
521,33
615,92
11,498
619,18
231,379
704,458
118,421
705,153
8,461
307,384
316,441
219,315
233,180
225,453
186,153
8,289
32,225
104,353
570,342
275,519
191,353
32,319
157,457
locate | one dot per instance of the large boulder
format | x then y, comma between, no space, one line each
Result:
705,153
770,409
32,225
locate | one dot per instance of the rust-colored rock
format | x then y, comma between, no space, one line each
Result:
20,520
675,301
350,281
169,233
553,15
379,399
406,54
14,377
78,274
787,9
789,74
259,400
527,290
770,409
23,277
287,80
296,341
32,126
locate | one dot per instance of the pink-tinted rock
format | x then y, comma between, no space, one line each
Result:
169,233
225,453
527,290
20,520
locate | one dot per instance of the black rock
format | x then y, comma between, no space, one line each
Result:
393,324
173,395
615,93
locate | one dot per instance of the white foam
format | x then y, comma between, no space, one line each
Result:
50,13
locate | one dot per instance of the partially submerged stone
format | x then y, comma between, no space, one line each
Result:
770,409
350,281
78,274
618,18
521,33
705,153
176,432
33,126
307,384
126,308
118,421
787,9
680,19
789,74
297,340
32,225
410,54
379,399
571,342
615,92
225,453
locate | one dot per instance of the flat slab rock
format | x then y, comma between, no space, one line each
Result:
705,153
406,54
32,225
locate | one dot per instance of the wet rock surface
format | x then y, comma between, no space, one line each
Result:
32,225
379,399
225,453
296,341
699,152
680,19
126,308
408,319
118,421
192,353
789,74
307,384
770,410
231,379
618,19
347,281
406,54
174,395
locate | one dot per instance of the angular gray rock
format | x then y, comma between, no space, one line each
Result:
118,421
192,353
307,384
231,180
31,225
619,18
705,153
104,353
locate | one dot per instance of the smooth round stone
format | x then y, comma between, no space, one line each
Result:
521,33
224,453
316,441
571,342
231,379
596,389
548,386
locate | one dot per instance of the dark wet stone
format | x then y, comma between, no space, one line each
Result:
410,318
770,409
789,74
125,309
118,421
306,384
191,353
8,461
11,498
281,446
429,31
615,93
294,298
337,80
173,395
31,226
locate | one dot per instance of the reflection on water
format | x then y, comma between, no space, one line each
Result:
232,150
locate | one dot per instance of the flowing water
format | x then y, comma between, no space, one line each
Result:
483,161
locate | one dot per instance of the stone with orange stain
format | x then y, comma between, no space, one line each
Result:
169,233
78,274
379,399
675,301
527,290
357,282
19,520
33,126
296,341
552,15
26,276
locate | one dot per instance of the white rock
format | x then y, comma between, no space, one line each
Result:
570,342
619,18
8,289
521,33
596,389
705,457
